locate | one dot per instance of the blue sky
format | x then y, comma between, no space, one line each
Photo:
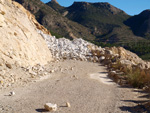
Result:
131,7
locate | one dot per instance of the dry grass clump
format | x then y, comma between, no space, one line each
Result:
139,78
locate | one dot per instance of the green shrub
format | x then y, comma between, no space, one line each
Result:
55,34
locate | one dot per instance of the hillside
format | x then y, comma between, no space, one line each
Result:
105,21
57,24
101,18
20,42
140,24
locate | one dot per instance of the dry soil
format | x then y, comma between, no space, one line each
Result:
84,85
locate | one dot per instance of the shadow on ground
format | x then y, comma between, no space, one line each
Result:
41,110
139,108
142,106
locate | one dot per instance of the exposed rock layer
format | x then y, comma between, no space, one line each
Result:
20,43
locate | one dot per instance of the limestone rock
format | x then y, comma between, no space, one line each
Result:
50,107
8,65
68,104
102,58
52,71
20,40
78,49
112,73
12,93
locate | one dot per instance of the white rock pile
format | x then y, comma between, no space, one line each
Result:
77,49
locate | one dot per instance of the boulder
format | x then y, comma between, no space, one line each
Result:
102,58
112,73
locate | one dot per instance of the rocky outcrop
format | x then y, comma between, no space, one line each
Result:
112,9
31,18
20,43
54,1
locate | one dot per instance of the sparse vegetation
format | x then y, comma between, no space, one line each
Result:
55,34
136,79
140,48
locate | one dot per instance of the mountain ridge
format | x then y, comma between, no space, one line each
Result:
106,5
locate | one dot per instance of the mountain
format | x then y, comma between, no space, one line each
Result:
101,18
140,24
104,21
20,42
57,24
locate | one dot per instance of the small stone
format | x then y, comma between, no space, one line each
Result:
33,73
102,58
32,76
12,93
61,70
75,76
71,68
68,105
1,109
52,71
95,59
112,73
45,73
1,64
1,82
50,107
8,65
8,85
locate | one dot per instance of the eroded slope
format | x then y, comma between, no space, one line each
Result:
20,43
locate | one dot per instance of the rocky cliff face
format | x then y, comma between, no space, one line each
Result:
20,42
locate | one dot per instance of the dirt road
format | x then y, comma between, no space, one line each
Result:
83,84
